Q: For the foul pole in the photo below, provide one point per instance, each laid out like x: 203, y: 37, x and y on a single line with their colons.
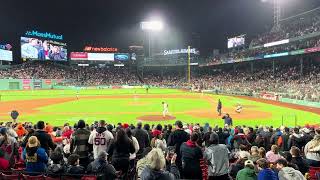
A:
x: 189, y: 68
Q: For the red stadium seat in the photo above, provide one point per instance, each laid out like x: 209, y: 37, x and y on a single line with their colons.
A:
x: 28, y: 177
x: 314, y: 173
x: 9, y: 177
x: 89, y: 177
x: 51, y: 178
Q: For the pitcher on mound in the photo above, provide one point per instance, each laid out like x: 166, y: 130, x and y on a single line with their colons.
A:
x: 165, y: 109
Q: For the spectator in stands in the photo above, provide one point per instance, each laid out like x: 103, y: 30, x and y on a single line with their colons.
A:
x: 74, y: 168
x: 248, y: 172
x: 35, y: 156
x: 287, y: 173
x: 217, y: 157
x: 296, y: 139
x: 251, y: 136
x: 273, y: 155
x: 142, y: 137
x: 265, y: 172
x: 254, y: 154
x: 79, y: 143
x: 44, y: 138
x: 285, y: 140
x: 262, y: 152
x: 143, y: 162
x: 120, y: 151
x: 176, y: 138
x: 156, y: 169
x: 239, y: 164
x: 191, y: 154
x: 240, y: 141
x: 298, y: 160
x: 67, y: 132
x: 135, y: 144
x: 102, y: 168
x: 157, y: 141
x: 312, y: 150
x: 57, y: 167
x: 206, y: 136
x: 4, y: 164
x: 168, y: 132
x: 9, y: 146
x: 100, y: 138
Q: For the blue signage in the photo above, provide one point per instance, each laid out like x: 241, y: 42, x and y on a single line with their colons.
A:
x: 276, y: 55
x: 121, y: 57
x: 44, y: 35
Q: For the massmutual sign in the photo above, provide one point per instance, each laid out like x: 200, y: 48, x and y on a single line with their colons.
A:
x: 45, y: 35
x: 180, y: 51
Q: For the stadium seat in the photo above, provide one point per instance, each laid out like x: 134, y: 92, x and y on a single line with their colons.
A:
x: 9, y: 177
x: 314, y: 173
x: 89, y: 177
x: 28, y: 177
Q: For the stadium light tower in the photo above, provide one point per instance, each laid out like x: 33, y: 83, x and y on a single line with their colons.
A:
x: 276, y: 15
x: 149, y: 27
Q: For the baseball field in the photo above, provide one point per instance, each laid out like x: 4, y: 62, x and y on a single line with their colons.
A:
x: 130, y: 105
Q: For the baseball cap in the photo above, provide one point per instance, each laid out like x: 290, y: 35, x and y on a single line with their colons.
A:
x: 248, y: 162
x: 244, y: 154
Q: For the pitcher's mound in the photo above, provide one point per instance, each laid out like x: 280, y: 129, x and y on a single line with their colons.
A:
x: 155, y: 118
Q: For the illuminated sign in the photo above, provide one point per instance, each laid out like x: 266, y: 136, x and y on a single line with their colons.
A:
x: 100, y: 49
x: 44, y: 35
x: 276, y: 55
x: 180, y: 51
x: 5, y: 46
x: 276, y: 43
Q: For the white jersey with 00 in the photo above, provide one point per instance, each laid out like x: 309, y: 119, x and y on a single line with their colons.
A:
x: 100, y: 141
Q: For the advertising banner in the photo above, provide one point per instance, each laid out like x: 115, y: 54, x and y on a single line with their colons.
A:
x: 101, y: 56
x: 269, y: 96
x: 26, y: 81
x: 297, y: 52
x: 311, y: 50
x: 5, y: 55
x: 79, y: 56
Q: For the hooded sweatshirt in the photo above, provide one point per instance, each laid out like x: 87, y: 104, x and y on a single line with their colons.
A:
x: 246, y: 174
x: 288, y: 173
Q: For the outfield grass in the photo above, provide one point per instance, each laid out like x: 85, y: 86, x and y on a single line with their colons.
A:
x: 130, y: 107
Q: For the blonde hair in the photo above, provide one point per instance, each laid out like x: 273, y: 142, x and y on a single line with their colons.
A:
x: 156, y: 159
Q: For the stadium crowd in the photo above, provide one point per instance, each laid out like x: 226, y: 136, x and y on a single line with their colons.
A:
x: 286, y: 81
x: 77, y: 75
x: 147, y: 152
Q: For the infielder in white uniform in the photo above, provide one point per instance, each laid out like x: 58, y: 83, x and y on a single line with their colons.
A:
x: 165, y: 109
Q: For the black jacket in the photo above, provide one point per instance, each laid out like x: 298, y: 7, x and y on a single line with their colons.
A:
x: 142, y: 138
x: 75, y: 170
x: 191, y: 156
x: 121, y: 150
x: 45, y: 140
x: 301, y: 163
x: 55, y: 170
x: 176, y: 138
x: 102, y: 169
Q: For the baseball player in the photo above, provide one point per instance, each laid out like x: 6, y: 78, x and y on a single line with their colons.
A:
x: 165, y: 109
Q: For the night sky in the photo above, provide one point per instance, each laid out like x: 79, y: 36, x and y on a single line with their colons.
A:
x: 115, y: 23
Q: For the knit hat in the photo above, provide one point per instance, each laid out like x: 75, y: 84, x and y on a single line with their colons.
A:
x: 156, y: 132
x: 33, y: 141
